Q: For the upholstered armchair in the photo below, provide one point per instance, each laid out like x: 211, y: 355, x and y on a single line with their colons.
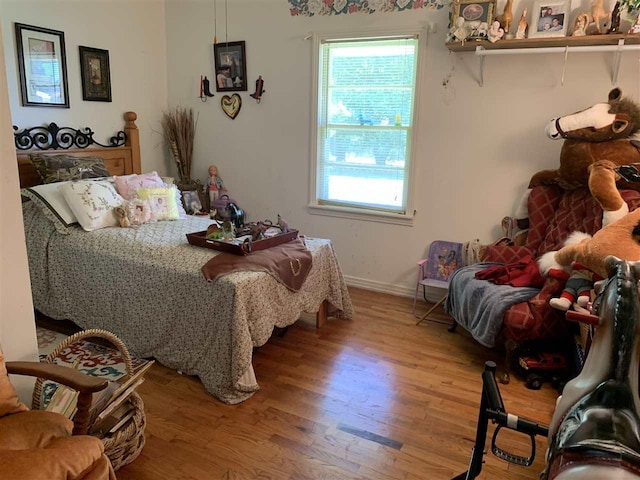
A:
x: 554, y: 213
x: 38, y: 445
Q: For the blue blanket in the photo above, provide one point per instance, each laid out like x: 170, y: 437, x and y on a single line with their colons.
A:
x: 479, y: 305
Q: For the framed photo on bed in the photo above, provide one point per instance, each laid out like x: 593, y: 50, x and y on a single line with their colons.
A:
x: 549, y: 18
x: 96, y: 78
x: 231, y: 67
x: 42, y: 64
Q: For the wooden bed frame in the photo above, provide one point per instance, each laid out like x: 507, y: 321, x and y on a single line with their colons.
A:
x: 123, y: 160
x: 118, y: 160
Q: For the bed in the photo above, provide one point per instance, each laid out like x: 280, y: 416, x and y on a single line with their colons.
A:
x: 145, y: 284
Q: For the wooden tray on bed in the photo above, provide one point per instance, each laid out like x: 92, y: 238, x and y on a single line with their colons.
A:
x: 200, y: 240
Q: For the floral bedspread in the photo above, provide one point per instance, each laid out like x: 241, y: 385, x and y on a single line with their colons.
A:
x: 145, y: 285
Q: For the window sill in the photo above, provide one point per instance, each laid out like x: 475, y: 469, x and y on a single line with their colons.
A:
x: 358, y: 214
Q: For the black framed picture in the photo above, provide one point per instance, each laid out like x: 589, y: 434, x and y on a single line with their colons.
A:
x: 42, y: 64
x: 231, y: 67
x: 96, y: 77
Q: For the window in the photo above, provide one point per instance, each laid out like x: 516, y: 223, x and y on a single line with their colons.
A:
x: 366, y: 96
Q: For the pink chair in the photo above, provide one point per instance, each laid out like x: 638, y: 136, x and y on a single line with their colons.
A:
x: 443, y: 259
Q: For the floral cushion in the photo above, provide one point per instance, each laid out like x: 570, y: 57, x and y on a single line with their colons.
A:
x: 139, y: 211
x: 163, y: 201
x: 60, y: 168
x: 93, y: 202
x: 126, y: 185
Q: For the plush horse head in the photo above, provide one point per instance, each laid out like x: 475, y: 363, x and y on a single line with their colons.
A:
x: 599, y: 134
x: 618, y: 118
x: 595, y: 430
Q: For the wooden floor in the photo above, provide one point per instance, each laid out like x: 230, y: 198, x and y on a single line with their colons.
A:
x: 372, y: 398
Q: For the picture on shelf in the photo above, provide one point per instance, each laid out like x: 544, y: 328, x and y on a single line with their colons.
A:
x: 549, y: 19
x: 473, y: 12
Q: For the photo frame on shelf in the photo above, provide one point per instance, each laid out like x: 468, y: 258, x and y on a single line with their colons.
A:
x: 549, y: 18
x: 95, y: 73
x: 42, y: 64
x: 473, y: 11
x: 231, y: 67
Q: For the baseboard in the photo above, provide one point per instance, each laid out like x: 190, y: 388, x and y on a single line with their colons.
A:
x: 400, y: 290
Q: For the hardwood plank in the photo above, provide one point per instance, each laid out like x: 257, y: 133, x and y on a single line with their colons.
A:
x: 373, y: 398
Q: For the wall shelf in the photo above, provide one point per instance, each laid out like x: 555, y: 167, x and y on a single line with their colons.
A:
x: 591, y: 43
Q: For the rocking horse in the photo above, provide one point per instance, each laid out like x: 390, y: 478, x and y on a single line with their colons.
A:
x: 595, y: 430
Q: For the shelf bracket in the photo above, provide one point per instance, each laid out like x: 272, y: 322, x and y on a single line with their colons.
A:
x: 616, y: 62
x: 480, y: 56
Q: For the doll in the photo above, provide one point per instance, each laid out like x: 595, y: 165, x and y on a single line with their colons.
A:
x: 577, y: 289
x: 214, y: 184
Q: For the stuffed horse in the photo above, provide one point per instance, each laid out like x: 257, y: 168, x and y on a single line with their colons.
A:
x: 595, y: 429
x: 597, y: 136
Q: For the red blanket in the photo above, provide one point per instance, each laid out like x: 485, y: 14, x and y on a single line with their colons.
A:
x: 524, y: 273
x: 289, y: 263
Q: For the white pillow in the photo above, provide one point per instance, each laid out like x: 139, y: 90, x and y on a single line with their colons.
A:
x: 92, y: 202
x: 50, y: 197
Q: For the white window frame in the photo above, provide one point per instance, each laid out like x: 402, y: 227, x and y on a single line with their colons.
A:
x: 352, y: 212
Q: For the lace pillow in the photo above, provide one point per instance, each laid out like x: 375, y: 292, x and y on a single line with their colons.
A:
x: 92, y: 202
x: 139, y: 212
x: 60, y: 168
x: 126, y: 185
x: 163, y: 201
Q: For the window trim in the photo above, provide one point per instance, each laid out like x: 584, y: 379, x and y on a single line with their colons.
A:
x: 316, y: 208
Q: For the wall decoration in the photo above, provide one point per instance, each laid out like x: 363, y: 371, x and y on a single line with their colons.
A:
x: 309, y: 8
x: 473, y: 12
x: 231, y: 105
x: 549, y: 18
x: 43, y: 67
x: 231, y: 67
x: 96, y: 77
x: 257, y: 95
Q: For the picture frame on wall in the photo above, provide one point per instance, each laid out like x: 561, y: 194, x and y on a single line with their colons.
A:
x: 42, y: 64
x: 549, y: 18
x: 96, y: 74
x: 231, y: 67
x: 473, y: 11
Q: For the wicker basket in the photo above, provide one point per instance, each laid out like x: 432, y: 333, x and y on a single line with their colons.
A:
x: 126, y: 444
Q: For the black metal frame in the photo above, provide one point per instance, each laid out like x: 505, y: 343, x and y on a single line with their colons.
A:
x: 52, y: 137
x: 492, y: 408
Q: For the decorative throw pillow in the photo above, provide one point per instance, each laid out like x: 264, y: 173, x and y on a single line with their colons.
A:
x: 60, y: 168
x: 163, y: 201
x: 126, y: 185
x: 50, y: 200
x: 92, y: 202
x: 139, y: 211
x: 9, y: 402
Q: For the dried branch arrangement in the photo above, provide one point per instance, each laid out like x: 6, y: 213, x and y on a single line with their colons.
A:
x: 179, y: 131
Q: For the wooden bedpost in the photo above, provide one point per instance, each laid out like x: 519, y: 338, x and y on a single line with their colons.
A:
x: 321, y: 316
x: 133, y: 139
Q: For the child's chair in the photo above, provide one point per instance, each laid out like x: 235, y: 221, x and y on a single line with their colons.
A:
x: 443, y: 259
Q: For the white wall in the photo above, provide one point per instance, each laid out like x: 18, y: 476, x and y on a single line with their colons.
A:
x: 17, y: 325
x: 477, y: 147
x: 134, y: 34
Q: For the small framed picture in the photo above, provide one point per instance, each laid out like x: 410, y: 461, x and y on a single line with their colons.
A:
x: 549, y: 19
x: 42, y: 63
x: 231, y: 67
x: 96, y: 78
x: 192, y: 203
x: 473, y: 11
